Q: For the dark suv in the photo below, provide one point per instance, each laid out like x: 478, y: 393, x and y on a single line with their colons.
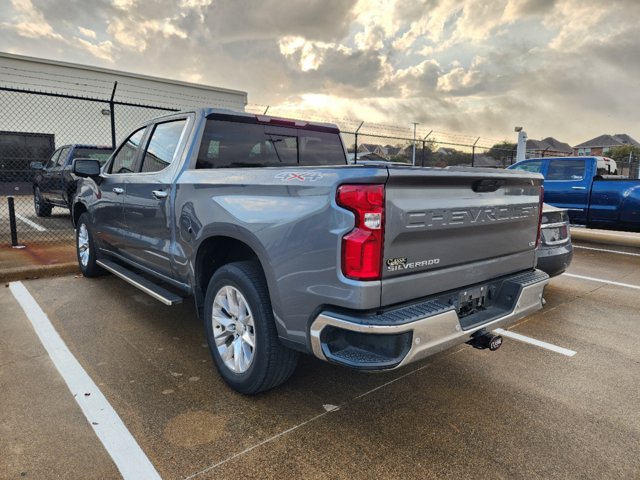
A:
x: 54, y: 184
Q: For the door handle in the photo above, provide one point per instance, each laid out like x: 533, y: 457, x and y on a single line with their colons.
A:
x: 578, y: 188
x: 118, y: 190
x: 158, y: 194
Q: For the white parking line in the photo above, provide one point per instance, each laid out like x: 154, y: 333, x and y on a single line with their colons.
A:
x: 533, y: 341
x: 607, y: 251
x: 111, y: 431
x: 602, y: 280
x: 34, y: 225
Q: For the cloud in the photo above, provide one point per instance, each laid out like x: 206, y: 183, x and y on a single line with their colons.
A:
x: 87, y: 32
x: 102, y: 50
x: 29, y: 22
x: 415, y: 81
x: 563, y: 68
x: 308, y: 55
x: 134, y: 34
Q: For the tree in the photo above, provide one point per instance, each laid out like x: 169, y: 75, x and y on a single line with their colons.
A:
x: 501, y: 150
x: 623, y: 152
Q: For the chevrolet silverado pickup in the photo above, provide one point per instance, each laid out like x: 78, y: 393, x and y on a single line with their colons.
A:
x: 589, y: 190
x: 286, y: 248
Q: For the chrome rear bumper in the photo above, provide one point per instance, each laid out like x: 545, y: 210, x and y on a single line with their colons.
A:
x: 417, y: 338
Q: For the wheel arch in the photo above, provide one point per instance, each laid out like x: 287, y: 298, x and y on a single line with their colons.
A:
x: 78, y: 209
x: 215, y: 251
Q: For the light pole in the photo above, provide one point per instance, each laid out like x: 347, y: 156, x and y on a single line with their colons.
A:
x: 522, y: 144
x: 413, y: 157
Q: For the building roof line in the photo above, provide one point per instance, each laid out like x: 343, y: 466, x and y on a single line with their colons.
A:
x: 139, y: 76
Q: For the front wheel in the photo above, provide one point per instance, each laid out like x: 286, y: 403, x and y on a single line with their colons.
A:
x: 241, y: 331
x: 85, y: 249
x: 42, y: 208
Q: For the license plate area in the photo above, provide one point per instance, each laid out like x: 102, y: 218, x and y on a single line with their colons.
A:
x: 471, y: 300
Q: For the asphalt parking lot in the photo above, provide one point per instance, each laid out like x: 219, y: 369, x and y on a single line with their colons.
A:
x: 522, y: 412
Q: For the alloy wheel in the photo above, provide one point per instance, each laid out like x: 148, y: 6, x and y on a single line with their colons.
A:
x: 233, y: 329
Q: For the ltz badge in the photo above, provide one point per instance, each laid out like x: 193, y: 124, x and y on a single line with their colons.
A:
x: 400, y: 263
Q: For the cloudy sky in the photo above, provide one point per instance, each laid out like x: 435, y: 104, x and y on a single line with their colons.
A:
x: 563, y: 68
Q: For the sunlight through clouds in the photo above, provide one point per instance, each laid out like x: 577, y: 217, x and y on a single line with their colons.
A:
x: 477, y: 66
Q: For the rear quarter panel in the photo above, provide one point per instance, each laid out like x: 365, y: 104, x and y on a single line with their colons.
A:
x: 289, y: 217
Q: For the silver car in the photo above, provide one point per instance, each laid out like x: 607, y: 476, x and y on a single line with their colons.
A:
x: 555, y: 251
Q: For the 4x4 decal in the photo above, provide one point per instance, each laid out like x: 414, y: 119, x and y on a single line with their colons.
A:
x: 299, y: 176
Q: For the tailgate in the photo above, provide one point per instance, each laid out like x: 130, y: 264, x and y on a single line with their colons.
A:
x: 446, y: 229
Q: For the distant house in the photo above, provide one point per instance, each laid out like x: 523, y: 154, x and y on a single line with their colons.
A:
x: 602, y: 144
x: 446, y: 151
x: 365, y: 156
x: 547, y: 146
x: 393, y: 151
x: 366, y: 148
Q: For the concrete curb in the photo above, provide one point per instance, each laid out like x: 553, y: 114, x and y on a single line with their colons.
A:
x: 38, y: 271
x: 606, y: 237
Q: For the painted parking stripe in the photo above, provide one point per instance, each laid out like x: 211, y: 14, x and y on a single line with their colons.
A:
x: 111, y: 431
x: 33, y: 225
x: 602, y: 280
x: 537, y: 343
x: 607, y: 251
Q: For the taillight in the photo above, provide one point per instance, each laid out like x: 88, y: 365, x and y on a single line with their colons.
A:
x: 362, y: 247
x: 538, y: 240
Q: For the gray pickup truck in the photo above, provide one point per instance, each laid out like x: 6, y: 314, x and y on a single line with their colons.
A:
x: 286, y: 249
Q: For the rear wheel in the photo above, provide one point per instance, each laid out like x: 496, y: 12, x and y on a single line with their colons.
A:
x: 85, y: 249
x: 241, y: 331
x: 42, y: 208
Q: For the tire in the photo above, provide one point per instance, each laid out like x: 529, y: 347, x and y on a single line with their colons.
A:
x: 248, y: 370
x: 85, y: 249
x: 42, y: 208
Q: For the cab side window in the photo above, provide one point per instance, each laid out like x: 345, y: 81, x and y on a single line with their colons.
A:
x: 64, y: 153
x: 534, y: 166
x: 566, y: 170
x: 54, y: 158
x: 162, y: 146
x: 125, y: 159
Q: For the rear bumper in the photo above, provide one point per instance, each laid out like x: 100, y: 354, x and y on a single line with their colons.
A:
x: 554, y: 259
x: 405, y: 334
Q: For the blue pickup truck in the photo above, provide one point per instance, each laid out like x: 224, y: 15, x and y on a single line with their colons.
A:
x: 586, y: 187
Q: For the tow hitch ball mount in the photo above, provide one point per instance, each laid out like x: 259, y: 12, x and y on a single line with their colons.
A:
x: 483, y: 339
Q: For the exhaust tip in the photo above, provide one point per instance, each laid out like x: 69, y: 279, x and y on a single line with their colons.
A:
x: 483, y: 340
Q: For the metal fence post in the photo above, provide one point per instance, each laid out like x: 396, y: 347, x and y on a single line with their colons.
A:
x: 112, y: 112
x: 12, y: 222
x: 413, y: 156
x: 424, y: 145
x: 355, y: 145
x: 473, y: 152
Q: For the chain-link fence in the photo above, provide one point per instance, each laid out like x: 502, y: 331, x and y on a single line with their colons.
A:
x: 372, y: 141
x: 42, y: 132
x: 40, y: 135
x: 630, y: 166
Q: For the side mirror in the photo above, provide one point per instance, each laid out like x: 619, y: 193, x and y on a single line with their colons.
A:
x: 86, y: 167
x: 36, y: 166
